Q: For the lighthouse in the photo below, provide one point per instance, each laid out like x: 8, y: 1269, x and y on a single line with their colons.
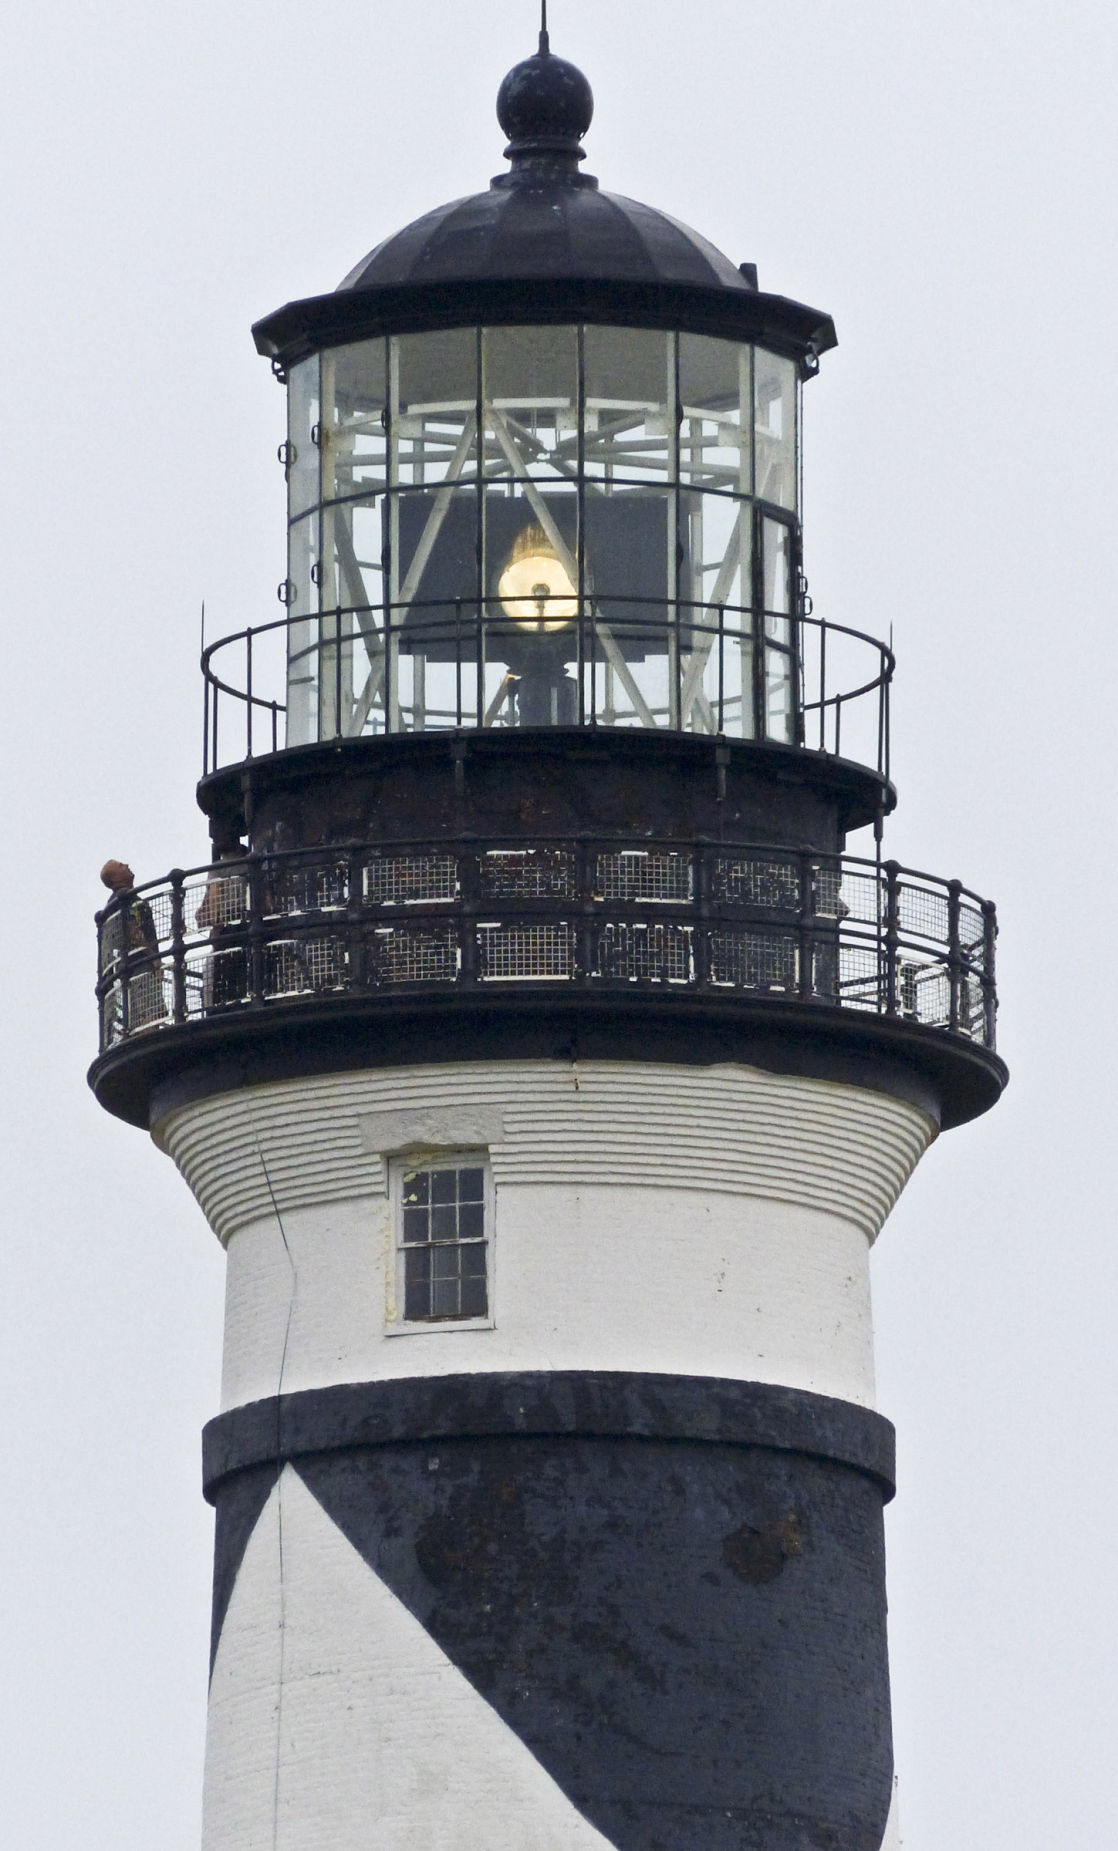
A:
x: 544, y: 1062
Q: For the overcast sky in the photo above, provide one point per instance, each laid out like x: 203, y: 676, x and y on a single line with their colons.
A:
x: 941, y: 179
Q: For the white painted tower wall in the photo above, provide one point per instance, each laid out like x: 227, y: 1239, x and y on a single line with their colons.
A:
x: 647, y: 1218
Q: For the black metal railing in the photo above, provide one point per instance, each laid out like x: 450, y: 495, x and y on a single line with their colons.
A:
x: 722, y: 670
x: 271, y: 931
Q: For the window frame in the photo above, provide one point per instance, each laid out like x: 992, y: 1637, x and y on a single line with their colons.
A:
x: 398, y: 1324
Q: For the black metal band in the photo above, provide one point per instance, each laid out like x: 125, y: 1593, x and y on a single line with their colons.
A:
x: 587, y: 1403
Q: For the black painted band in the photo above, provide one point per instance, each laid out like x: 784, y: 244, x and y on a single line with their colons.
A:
x: 588, y: 1403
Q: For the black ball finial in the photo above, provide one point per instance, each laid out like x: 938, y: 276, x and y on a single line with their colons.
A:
x: 545, y: 107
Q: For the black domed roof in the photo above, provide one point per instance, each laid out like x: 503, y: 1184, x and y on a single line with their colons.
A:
x: 603, y: 257
x: 547, y: 229
x: 545, y: 218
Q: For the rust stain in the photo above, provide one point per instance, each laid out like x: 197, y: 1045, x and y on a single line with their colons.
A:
x: 757, y: 1556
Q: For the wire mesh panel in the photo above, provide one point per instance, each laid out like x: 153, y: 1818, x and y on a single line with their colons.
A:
x: 644, y: 874
x: 112, y: 1017
x: 861, y: 892
x: 305, y: 966
x: 923, y: 992
x: 306, y: 887
x: 922, y: 913
x: 756, y: 881
x: 410, y: 880
x: 160, y: 911
x: 413, y: 954
x: 528, y: 873
x: 526, y: 952
x: 216, y: 979
x: 645, y: 953
x: 219, y: 901
x: 861, y: 978
x: 827, y: 895
x: 755, y: 961
x: 972, y: 929
x: 972, y: 1008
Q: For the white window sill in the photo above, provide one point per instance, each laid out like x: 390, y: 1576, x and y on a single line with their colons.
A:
x: 443, y: 1328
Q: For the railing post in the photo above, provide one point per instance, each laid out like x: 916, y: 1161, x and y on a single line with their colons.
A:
x: 700, y: 913
x: 891, y: 871
x: 954, y: 955
x: 721, y: 671
x: 355, y: 919
x: 586, y: 955
x: 466, y: 914
x: 989, y: 984
x: 806, y: 980
x: 338, y: 673
x: 822, y: 684
x: 178, y: 949
x: 458, y: 662
x: 255, y: 886
x: 248, y: 692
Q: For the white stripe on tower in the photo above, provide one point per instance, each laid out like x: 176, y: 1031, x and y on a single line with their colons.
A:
x: 373, y: 1741
x: 699, y: 1221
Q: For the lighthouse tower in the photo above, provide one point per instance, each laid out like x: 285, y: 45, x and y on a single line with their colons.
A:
x: 545, y: 1064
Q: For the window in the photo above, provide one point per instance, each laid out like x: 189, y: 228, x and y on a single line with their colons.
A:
x: 442, y: 1218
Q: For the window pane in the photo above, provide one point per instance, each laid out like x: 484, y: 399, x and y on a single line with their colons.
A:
x: 354, y: 435
x: 417, y: 1185
x: 444, y: 1185
x: 531, y: 401
x: 779, y: 719
x: 417, y: 1290
x: 437, y: 373
x: 715, y: 397
x: 444, y: 1222
x: 630, y: 409
x: 775, y: 428
x: 416, y: 1225
x: 471, y: 1221
x: 303, y: 457
x: 444, y: 1298
x: 474, y: 1298
x: 471, y: 1185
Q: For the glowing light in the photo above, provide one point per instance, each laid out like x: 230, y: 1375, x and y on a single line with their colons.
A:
x: 535, y: 587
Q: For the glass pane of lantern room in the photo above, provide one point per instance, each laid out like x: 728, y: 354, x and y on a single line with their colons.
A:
x: 715, y: 394
x: 431, y: 530
x: 775, y: 428
x: 531, y: 525
x: 631, y: 450
x: 302, y: 630
x: 303, y: 418
x: 777, y: 560
x: 354, y: 467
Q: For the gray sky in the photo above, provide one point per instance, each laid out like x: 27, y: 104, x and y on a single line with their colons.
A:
x: 940, y: 178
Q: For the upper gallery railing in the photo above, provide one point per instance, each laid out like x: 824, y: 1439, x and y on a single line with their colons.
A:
x: 723, y: 671
x: 271, y: 931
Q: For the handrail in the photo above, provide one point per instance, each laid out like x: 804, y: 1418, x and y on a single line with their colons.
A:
x: 270, y: 930
x: 696, y: 636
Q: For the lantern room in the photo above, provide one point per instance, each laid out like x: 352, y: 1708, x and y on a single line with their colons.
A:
x: 541, y: 526
x: 543, y: 471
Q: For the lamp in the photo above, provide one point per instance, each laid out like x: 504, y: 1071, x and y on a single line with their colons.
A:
x: 535, y: 588
x: 536, y: 592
